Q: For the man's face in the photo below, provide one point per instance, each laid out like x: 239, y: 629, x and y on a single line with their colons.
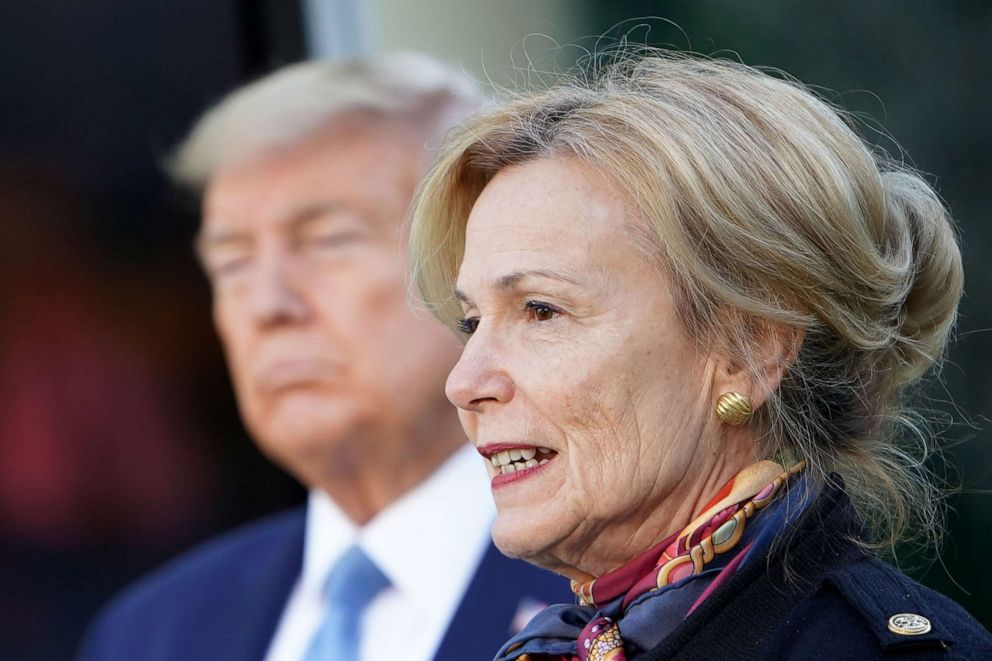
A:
x: 335, y: 368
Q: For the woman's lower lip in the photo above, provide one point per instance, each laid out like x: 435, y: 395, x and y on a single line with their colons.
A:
x: 503, y: 479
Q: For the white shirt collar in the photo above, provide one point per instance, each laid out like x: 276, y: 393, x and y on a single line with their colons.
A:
x: 428, y: 543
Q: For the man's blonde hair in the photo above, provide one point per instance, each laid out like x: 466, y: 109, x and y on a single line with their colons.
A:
x: 298, y: 100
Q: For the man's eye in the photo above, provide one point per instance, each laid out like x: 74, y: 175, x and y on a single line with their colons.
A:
x: 538, y: 311
x: 468, y: 325
x: 226, y: 267
x: 331, y: 239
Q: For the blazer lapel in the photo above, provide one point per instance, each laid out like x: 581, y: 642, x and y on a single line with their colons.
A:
x: 262, y: 591
x: 502, y: 595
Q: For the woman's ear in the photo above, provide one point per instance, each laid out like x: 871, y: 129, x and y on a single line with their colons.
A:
x: 773, y: 348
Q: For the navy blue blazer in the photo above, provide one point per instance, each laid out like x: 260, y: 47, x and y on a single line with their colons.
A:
x: 223, y: 601
x: 824, y: 597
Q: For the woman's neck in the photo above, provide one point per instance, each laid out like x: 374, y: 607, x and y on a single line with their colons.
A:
x: 620, y: 541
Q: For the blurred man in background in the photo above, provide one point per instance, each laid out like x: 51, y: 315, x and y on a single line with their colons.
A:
x: 306, y: 177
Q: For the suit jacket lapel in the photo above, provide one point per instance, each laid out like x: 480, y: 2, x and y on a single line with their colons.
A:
x: 263, y: 590
x: 484, y: 619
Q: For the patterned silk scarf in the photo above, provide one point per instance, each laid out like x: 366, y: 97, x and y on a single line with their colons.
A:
x: 633, y: 608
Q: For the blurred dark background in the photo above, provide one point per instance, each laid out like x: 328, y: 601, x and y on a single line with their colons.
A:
x: 120, y: 443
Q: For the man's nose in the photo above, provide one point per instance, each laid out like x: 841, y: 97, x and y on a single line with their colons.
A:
x: 479, y: 381
x: 278, y: 295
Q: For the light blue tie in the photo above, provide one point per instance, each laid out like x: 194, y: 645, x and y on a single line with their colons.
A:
x: 352, y: 584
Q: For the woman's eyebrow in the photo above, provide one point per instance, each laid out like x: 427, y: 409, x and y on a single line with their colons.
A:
x: 511, y: 280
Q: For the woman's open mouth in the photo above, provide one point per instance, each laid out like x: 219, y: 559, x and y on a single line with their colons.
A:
x: 515, y: 463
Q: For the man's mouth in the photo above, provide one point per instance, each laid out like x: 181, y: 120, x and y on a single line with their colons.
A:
x: 290, y: 373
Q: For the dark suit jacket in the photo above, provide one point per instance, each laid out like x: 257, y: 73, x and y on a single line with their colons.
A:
x: 223, y: 602
x: 825, y: 598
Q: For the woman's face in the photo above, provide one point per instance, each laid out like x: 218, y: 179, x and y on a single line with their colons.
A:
x: 573, y: 346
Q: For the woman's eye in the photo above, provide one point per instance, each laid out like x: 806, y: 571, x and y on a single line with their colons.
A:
x: 539, y: 311
x: 468, y: 325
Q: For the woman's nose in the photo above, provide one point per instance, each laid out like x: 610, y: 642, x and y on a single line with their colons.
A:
x: 477, y: 381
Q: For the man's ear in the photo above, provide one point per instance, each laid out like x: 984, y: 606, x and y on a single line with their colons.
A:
x: 772, y: 348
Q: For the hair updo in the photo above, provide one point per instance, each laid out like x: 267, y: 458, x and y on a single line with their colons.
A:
x: 765, y: 209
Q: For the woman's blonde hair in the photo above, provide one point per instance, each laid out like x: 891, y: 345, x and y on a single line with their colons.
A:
x: 765, y: 210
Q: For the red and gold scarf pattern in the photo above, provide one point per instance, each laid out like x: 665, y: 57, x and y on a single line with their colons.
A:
x: 715, y: 532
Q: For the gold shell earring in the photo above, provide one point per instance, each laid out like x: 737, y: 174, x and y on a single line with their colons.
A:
x: 733, y: 408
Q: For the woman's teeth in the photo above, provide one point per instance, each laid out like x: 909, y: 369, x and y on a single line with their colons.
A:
x: 518, y: 459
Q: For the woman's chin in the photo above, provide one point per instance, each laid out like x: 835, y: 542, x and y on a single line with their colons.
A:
x: 509, y: 539
x: 523, y: 538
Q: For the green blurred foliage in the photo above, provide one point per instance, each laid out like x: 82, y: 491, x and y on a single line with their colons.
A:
x: 921, y: 70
